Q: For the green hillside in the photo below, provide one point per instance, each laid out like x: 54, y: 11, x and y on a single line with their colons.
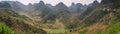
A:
x: 18, y: 23
x: 4, y: 29
x: 114, y: 27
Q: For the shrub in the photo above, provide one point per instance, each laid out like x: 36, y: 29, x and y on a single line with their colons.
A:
x: 5, y: 29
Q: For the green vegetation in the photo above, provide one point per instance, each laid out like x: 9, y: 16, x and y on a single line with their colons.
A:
x: 5, y: 29
x: 20, y: 24
x: 114, y: 28
x: 83, y: 32
x: 59, y: 31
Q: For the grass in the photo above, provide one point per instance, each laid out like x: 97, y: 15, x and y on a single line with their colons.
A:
x: 5, y: 29
x: 59, y: 31
x: 83, y: 32
x: 114, y: 28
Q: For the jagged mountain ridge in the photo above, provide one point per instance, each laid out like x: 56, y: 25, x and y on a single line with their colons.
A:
x: 15, y: 5
x: 87, y: 15
x: 77, y: 8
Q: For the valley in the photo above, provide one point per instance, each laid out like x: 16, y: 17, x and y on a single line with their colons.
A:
x: 41, y: 18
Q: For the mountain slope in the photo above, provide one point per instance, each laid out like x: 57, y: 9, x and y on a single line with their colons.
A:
x: 115, y: 23
x: 5, y: 29
x: 18, y: 23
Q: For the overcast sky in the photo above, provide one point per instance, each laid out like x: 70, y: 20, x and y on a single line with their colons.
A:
x: 54, y: 2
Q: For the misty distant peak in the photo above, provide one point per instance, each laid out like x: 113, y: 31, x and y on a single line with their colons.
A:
x: 95, y: 1
x: 48, y: 5
x: 61, y: 4
x: 84, y: 5
x: 79, y: 4
x: 41, y: 2
x: 73, y: 4
x: 30, y: 4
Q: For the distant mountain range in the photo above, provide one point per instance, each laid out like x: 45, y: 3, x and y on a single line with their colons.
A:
x: 41, y: 18
x: 47, y: 11
x: 74, y: 8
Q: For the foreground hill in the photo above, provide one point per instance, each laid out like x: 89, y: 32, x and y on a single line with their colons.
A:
x: 104, y: 20
x: 18, y: 23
